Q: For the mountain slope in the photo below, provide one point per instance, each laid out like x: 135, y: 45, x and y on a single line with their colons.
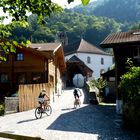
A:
x: 120, y: 10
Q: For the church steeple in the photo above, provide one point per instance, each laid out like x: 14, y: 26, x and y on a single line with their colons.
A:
x: 61, y: 36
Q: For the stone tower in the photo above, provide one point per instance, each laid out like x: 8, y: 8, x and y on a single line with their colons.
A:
x: 61, y: 36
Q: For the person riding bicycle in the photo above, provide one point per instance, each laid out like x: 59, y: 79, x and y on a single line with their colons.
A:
x: 41, y: 98
x: 77, y: 101
x: 76, y: 93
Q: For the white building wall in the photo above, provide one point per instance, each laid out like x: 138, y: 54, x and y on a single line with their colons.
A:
x: 95, y: 64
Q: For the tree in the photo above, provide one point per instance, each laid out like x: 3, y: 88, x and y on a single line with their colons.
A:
x: 18, y: 10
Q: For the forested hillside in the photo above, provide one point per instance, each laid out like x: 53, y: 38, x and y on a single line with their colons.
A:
x: 120, y: 10
x: 93, y: 22
x: 93, y: 29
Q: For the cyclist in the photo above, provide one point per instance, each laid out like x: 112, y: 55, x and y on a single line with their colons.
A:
x: 76, y: 94
x: 41, y: 98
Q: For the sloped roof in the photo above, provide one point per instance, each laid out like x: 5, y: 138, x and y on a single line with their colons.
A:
x: 75, y: 59
x: 83, y: 47
x: 71, y: 48
x: 109, y: 73
x: 34, y: 51
x: 45, y: 46
x: 132, y: 36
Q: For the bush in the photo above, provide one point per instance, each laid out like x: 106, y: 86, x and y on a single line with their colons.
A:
x: 1, y: 110
x: 130, y: 88
x: 99, y: 84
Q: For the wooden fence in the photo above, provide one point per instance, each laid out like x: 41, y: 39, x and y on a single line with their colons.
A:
x: 28, y: 95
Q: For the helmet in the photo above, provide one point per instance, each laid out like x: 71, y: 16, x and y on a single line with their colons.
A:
x: 43, y: 90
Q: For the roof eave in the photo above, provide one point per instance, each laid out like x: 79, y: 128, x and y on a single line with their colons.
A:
x: 111, y: 45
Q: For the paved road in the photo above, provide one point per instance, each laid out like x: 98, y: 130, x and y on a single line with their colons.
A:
x: 89, y: 122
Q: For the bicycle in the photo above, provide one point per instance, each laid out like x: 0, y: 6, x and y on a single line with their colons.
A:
x: 40, y: 110
x: 77, y: 103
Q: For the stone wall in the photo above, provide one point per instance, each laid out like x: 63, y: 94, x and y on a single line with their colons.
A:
x: 11, y: 105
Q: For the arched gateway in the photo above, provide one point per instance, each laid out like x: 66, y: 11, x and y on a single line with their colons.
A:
x: 77, y: 72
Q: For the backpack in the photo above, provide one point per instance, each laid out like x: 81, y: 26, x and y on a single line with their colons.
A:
x: 75, y: 91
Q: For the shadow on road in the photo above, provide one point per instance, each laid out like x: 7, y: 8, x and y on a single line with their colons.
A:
x: 92, y: 119
x: 28, y: 120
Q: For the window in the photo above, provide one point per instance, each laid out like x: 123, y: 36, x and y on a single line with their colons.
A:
x: 38, y: 77
x: 136, y: 52
x: 102, y: 61
x: 21, y: 78
x: 88, y: 59
x: 19, y: 56
x: 3, y: 78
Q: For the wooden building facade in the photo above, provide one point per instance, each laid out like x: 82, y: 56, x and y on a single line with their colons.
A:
x: 125, y: 45
x: 39, y: 63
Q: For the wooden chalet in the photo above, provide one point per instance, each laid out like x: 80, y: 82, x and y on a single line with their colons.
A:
x: 125, y: 45
x: 56, y: 61
x: 39, y: 63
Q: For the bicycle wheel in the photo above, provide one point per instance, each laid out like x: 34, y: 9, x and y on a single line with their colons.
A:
x: 77, y: 103
x: 38, y: 112
x: 48, y: 110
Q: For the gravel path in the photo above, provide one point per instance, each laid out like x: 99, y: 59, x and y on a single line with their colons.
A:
x: 89, y: 122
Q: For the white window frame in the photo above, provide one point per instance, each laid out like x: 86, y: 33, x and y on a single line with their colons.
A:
x: 19, y: 57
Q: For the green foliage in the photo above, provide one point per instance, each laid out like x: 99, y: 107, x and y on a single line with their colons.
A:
x: 120, y: 10
x: 76, y: 25
x: 135, y: 26
x: 99, y: 83
x: 84, y: 2
x: 129, y: 63
x: 18, y: 9
x: 6, y: 45
x: 1, y: 109
x: 130, y: 85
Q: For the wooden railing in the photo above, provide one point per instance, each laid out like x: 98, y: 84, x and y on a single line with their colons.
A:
x: 28, y: 95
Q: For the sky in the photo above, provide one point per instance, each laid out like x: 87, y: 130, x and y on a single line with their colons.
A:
x: 65, y: 4
x: 62, y: 3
